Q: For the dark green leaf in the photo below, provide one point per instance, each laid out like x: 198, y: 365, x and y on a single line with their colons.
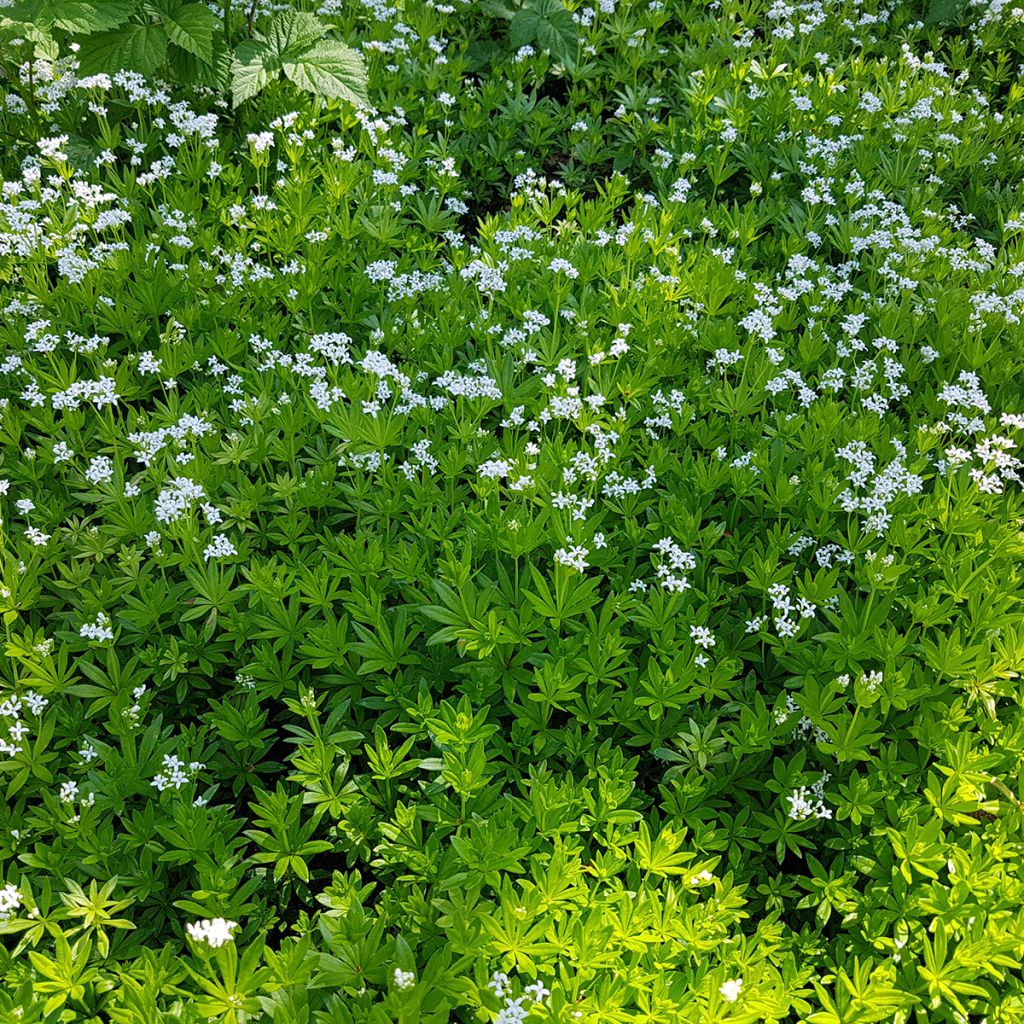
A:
x: 497, y: 9
x: 141, y: 48
x: 215, y: 74
x: 190, y: 26
x: 549, y: 24
x: 942, y: 12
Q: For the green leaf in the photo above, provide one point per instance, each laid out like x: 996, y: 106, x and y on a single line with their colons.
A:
x: 81, y: 17
x: 942, y: 12
x: 549, y: 24
x: 30, y: 12
x: 141, y: 48
x: 215, y: 74
x: 250, y: 70
x: 497, y: 9
x: 332, y: 69
x: 81, y: 152
x: 86, y: 16
x: 292, y: 43
x: 292, y: 33
x: 481, y: 54
x: 190, y: 26
x: 43, y: 45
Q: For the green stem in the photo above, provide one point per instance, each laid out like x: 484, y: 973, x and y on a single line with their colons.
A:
x: 33, y: 110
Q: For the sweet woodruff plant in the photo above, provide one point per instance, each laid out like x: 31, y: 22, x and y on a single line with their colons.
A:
x: 511, y: 512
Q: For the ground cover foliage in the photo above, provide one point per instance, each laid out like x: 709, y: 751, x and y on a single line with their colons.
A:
x: 544, y: 546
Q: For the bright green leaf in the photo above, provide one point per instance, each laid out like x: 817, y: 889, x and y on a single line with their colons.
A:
x: 332, y: 69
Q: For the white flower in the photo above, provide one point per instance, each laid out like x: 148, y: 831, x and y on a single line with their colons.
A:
x: 404, y: 979
x: 804, y: 804
x: 173, y: 501
x: 100, y: 471
x: 36, y: 701
x: 261, y: 141
x: 221, y: 547
x: 99, y: 630
x: 498, y: 983
x: 730, y: 990
x: 537, y: 991
x: 563, y: 266
x: 10, y: 901
x: 148, y: 363
x: 574, y: 557
x: 702, y: 636
x: 176, y: 773
x: 53, y: 148
x: 214, y: 932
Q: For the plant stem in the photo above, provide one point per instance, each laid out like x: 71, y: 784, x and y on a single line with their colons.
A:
x: 32, y: 86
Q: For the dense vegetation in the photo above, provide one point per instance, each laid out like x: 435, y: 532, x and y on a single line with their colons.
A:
x: 511, y: 512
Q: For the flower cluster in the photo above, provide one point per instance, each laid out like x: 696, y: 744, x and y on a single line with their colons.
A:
x: 214, y: 932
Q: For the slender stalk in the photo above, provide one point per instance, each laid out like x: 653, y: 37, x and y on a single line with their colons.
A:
x: 32, y: 85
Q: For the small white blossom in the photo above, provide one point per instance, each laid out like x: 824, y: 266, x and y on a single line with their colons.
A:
x: 10, y: 901
x: 221, y: 547
x: 99, y: 630
x: 730, y: 990
x: 215, y: 932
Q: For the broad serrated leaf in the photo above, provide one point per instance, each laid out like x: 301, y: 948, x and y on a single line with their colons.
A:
x: 549, y: 24
x: 252, y: 69
x: 330, y: 68
x: 214, y: 74
x: 81, y: 153
x: 497, y: 9
x: 190, y: 26
x: 291, y: 34
x: 292, y: 43
x: 80, y: 17
x: 84, y: 18
x: 944, y: 12
x: 141, y: 48
x: 43, y: 43
x: 29, y: 12
x: 481, y: 54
